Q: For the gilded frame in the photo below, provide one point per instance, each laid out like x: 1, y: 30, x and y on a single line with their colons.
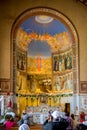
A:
x: 83, y: 86
x: 5, y: 85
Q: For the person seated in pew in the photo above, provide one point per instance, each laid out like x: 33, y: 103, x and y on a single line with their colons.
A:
x: 24, y: 118
x: 9, y: 123
x: 24, y: 127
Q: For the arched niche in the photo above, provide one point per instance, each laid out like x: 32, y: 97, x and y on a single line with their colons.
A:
x: 21, y: 40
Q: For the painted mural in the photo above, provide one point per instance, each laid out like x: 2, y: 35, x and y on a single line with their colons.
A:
x: 48, y: 61
x: 57, y: 42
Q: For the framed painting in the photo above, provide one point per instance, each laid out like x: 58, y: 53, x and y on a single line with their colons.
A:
x: 4, y: 85
x: 21, y: 60
x: 83, y: 87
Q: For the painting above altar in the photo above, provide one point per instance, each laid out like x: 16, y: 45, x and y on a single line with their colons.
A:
x: 43, y: 28
x: 47, y: 43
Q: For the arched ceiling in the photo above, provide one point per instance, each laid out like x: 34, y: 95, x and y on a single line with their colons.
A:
x: 44, y: 29
x: 43, y: 24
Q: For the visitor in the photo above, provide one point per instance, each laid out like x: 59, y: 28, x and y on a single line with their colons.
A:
x: 49, y: 119
x: 56, y: 115
x: 24, y: 118
x: 9, y: 123
x: 24, y: 127
x: 74, y: 122
x: 85, y: 122
x: 68, y: 118
x: 82, y: 116
x: 50, y: 112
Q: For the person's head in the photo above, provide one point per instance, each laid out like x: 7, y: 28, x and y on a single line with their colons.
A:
x: 50, y: 111
x: 55, y: 115
x: 24, y: 127
x: 72, y: 116
x: 50, y: 118
x: 11, y: 118
x: 24, y: 112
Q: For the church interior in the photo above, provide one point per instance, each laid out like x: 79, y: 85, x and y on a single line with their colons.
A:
x: 43, y: 56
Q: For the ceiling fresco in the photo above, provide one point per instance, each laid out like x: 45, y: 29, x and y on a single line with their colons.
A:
x: 42, y: 35
x: 42, y: 25
x: 39, y: 48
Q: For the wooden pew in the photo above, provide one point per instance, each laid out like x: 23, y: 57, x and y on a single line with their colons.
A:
x: 36, y: 127
x: 14, y: 128
x: 2, y: 127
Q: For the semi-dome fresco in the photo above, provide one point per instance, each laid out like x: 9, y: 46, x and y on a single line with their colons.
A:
x: 45, y: 29
x: 44, y: 47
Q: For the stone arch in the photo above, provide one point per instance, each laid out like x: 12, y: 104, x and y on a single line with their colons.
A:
x: 71, y: 28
